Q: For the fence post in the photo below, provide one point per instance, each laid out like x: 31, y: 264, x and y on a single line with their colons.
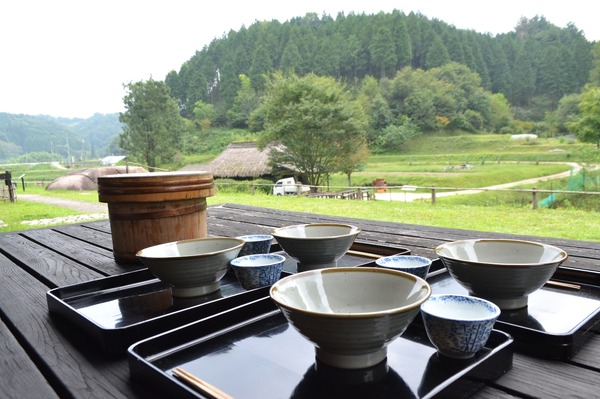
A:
x: 11, y: 187
x: 252, y: 189
x: 534, y: 197
x: 432, y: 195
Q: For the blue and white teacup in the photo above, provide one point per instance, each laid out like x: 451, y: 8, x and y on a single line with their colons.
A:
x: 458, y: 326
x: 255, y: 244
x: 259, y: 270
x: 415, y: 265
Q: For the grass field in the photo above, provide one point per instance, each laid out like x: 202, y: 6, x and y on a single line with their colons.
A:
x: 495, y: 159
x: 502, y: 219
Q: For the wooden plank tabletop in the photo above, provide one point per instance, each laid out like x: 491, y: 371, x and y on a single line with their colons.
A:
x: 44, y: 357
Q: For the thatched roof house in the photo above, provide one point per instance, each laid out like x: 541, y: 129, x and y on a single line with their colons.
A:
x: 240, y: 161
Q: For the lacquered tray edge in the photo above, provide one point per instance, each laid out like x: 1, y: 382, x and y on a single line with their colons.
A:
x: 116, y: 340
x: 497, y: 363
x: 142, y: 370
x: 562, y: 346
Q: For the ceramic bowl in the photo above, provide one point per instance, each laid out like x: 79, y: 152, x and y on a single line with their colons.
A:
x: 350, y: 314
x: 193, y: 267
x: 458, y: 325
x: 256, y: 244
x: 502, y: 271
x: 417, y: 265
x: 316, y: 245
x: 259, y: 270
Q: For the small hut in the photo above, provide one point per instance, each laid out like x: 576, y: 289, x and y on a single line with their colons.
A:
x: 240, y: 161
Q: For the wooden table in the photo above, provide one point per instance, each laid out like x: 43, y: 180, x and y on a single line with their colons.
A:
x: 39, y: 360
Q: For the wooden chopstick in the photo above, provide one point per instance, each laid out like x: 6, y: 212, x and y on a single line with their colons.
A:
x: 554, y: 283
x: 200, y: 384
x: 364, y: 254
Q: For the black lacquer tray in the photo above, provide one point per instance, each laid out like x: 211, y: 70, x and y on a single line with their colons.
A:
x: 119, y: 310
x: 252, y: 352
x: 558, y: 319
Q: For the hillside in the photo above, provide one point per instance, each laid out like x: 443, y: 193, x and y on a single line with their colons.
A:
x: 532, y: 69
x: 534, y: 66
x: 22, y: 136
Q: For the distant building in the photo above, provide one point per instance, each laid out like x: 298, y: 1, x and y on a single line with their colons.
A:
x: 524, y: 136
x: 111, y: 160
x: 243, y: 161
x: 238, y: 161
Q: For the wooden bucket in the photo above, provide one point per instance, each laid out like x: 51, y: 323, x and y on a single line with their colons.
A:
x: 147, y: 209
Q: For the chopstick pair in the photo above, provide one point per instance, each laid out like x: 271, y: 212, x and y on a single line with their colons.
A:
x: 200, y: 384
x: 554, y: 283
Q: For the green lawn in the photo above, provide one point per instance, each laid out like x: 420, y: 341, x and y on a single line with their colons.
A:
x: 425, y: 162
x: 524, y: 220
x: 498, y: 218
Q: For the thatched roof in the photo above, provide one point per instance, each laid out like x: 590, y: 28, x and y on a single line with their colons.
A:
x: 240, y: 160
x: 87, y: 178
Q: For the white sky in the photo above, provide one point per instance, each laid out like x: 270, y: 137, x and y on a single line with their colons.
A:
x: 70, y: 58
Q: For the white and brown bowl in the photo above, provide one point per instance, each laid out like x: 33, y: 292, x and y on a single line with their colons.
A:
x: 193, y: 267
x: 350, y: 314
x: 316, y: 245
x: 503, y: 271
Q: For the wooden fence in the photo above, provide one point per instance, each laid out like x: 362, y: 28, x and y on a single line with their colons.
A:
x: 411, y: 193
x: 8, y: 189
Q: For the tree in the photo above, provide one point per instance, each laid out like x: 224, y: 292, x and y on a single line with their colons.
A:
x: 290, y: 57
x: 523, y: 79
x: 437, y: 54
x: 402, y: 39
x: 383, y: 51
x: 354, y: 161
x: 204, y: 114
x: 245, y: 102
x: 566, y: 112
x: 314, y: 124
x: 395, y: 136
x: 501, y: 116
x: 588, y: 125
x: 261, y: 67
x: 594, y: 78
x: 152, y: 126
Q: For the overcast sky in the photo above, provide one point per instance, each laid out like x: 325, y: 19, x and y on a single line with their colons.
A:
x: 70, y: 58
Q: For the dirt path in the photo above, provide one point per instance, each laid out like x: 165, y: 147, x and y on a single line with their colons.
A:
x: 410, y: 196
x: 91, y: 210
x: 80, y: 206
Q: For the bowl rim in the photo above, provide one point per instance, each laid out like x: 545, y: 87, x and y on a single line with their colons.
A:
x: 345, y: 315
x: 239, y: 245
x: 280, y: 259
x: 495, y: 315
x: 255, y: 237
x: 393, y: 257
x: 354, y: 230
x: 563, y: 254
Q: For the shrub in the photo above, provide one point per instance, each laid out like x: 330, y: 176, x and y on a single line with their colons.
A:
x: 244, y: 186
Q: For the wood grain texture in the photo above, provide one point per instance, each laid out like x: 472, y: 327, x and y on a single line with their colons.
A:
x: 19, y: 376
x: 42, y: 356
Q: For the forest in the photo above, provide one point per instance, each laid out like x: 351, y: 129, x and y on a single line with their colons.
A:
x: 411, y: 74
x: 533, y: 67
